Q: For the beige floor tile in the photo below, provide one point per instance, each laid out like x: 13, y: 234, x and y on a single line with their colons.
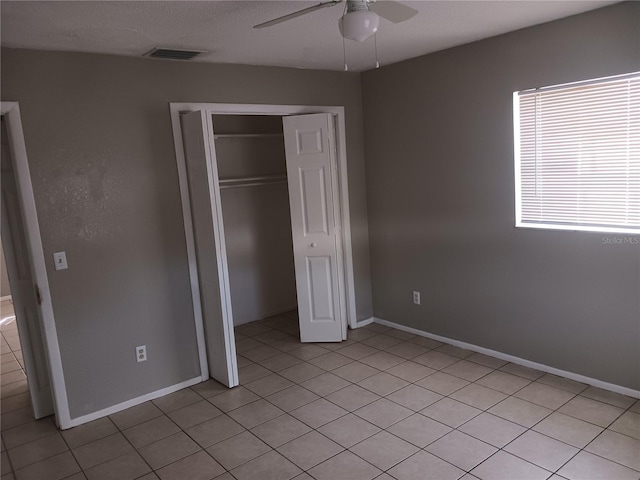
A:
x: 618, y: 448
x: 252, y: 372
x: 352, y: 397
x: 628, y: 424
x: 493, y: 430
x: 233, y: 398
x: 383, y: 413
x: 135, y: 415
x: 406, y: 350
x: 28, y: 432
x: 325, y: 384
x: 348, y: 430
x: 310, y: 449
x: 53, y: 468
x: 419, y: 430
x: 519, y: 411
x: 330, y: 361
x: 381, y: 341
x: 414, y: 397
x: 215, y: 430
x: 503, y: 382
x: 255, y: 413
x: 199, y: 466
x: 410, y: 371
x: 106, y: 448
x: 451, y: 412
x: 521, y: 371
x: 586, y: 465
x: 461, y: 450
x: 382, y: 360
x: 383, y: 384
x: 292, y: 398
x: 318, y: 413
x: 211, y: 387
x: 606, y: 396
x: 261, y: 353
x: 280, y: 430
x: 355, y: 371
x: 177, y: 400
x: 592, y: 411
x: 466, y: 370
x: 16, y: 418
x: 345, y: 466
x: 486, y: 360
x: 89, y: 432
x: 568, y: 429
x: 562, y: 383
x: 384, y: 450
x: 150, y: 431
x: 454, y: 351
x: 635, y: 407
x: 308, y: 351
x: 426, y: 342
x: 544, y: 395
x: 424, y: 466
x: 16, y: 402
x: 442, y: 383
x: 268, y: 385
x: 360, y: 334
x: 300, y: 373
x: 238, y: 450
x: 504, y: 466
x: 271, y: 466
x: 436, y: 360
x: 37, y: 450
x: 126, y: 467
x: 541, y: 450
x: 242, y: 362
x: 168, y: 450
x: 478, y: 396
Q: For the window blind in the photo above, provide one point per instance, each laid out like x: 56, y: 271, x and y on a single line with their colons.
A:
x: 578, y: 155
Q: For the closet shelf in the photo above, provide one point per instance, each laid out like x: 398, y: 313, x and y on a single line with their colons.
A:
x: 256, y: 181
x: 247, y: 135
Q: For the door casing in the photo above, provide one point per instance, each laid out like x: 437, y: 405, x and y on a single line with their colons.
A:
x: 341, y: 198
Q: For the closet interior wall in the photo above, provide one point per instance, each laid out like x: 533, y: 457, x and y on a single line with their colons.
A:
x: 255, y: 208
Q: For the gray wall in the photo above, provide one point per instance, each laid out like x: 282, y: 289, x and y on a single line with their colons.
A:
x: 440, y: 183
x: 100, y: 148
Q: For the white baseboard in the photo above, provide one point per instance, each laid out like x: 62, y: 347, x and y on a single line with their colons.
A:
x: 365, y: 322
x: 6, y: 297
x: 520, y: 361
x: 74, y: 422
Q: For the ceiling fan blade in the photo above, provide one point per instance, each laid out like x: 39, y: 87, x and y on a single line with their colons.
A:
x: 299, y: 13
x: 393, y: 11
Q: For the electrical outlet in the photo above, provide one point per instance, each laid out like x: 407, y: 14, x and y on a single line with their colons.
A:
x: 416, y: 298
x: 141, y: 353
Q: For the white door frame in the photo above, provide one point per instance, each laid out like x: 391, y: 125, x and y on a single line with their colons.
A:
x: 342, y: 200
x: 11, y: 113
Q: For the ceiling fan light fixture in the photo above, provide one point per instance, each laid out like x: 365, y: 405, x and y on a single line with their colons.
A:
x: 359, y: 25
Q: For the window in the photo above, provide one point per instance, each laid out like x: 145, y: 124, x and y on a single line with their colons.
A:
x: 577, y: 156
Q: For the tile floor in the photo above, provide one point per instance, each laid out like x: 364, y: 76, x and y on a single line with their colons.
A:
x: 385, y: 404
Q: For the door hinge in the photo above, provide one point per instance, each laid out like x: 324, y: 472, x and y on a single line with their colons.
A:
x: 38, y: 296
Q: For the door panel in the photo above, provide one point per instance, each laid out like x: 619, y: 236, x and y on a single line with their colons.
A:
x: 309, y: 146
x: 23, y: 289
x: 220, y: 340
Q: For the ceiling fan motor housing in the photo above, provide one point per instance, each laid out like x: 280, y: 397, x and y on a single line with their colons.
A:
x: 359, y: 23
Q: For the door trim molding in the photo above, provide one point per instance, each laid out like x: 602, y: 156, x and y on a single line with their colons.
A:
x: 343, y: 193
x: 11, y: 113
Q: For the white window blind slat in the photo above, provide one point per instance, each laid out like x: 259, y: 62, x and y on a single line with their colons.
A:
x: 578, y: 155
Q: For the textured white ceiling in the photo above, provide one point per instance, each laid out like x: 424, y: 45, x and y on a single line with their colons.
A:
x: 224, y: 29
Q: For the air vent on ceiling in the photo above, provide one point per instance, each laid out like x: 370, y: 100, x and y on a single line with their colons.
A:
x: 173, y: 53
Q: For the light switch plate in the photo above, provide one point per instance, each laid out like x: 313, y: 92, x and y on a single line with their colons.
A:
x: 60, y: 260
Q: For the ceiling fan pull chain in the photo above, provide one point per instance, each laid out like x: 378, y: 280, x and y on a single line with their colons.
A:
x: 344, y: 48
x: 375, y: 44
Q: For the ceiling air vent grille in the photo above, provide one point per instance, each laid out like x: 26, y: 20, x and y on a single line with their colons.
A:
x: 173, y: 53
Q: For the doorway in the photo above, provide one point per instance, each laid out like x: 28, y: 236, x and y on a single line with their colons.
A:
x: 198, y: 132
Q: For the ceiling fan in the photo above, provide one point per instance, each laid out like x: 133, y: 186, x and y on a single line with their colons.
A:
x: 361, y: 19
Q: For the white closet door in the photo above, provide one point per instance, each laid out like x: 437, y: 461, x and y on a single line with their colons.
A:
x: 309, y: 146
x: 205, y: 210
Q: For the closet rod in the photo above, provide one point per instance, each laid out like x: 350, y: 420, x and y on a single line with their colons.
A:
x: 251, y: 181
